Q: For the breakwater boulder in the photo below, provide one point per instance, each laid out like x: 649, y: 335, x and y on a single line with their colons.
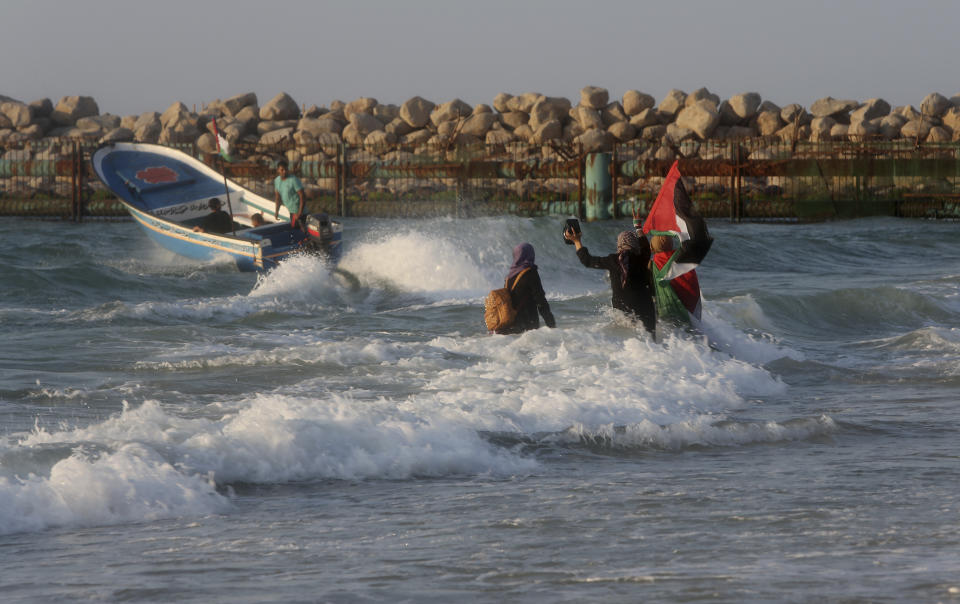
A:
x: 594, y: 122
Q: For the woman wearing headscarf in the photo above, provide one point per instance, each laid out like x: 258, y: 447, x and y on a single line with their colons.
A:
x: 526, y: 292
x: 629, y: 274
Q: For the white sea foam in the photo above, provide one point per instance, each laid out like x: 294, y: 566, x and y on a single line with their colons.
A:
x: 131, y: 484
x: 417, y: 262
x: 377, y: 406
x: 699, y: 431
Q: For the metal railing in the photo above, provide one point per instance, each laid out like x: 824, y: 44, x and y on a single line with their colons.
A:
x: 749, y: 179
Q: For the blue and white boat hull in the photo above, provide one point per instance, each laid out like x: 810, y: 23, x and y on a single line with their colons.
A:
x: 167, y: 193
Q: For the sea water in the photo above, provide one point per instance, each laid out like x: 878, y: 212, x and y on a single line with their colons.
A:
x: 175, y: 431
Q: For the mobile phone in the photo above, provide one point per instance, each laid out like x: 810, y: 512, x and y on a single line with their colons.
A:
x: 572, y: 223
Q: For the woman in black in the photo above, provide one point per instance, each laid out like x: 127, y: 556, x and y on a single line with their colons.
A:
x: 526, y: 292
x: 629, y: 275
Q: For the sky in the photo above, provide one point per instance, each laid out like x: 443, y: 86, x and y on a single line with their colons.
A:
x: 134, y: 56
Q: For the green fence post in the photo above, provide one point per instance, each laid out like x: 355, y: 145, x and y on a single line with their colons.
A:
x: 599, y: 186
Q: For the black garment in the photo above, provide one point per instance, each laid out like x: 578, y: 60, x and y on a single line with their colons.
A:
x: 637, y: 296
x: 217, y: 221
x: 528, y: 298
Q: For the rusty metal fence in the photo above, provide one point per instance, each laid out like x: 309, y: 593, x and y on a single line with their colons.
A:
x: 750, y: 179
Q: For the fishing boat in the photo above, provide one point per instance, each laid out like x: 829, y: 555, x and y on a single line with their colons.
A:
x: 168, y: 193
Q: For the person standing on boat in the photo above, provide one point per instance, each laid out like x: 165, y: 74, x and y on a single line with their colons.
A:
x: 217, y: 221
x: 288, y: 190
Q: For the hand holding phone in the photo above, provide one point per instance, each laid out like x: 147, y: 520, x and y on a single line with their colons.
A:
x: 571, y: 230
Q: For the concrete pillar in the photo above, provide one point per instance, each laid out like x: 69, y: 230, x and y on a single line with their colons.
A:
x: 598, y: 185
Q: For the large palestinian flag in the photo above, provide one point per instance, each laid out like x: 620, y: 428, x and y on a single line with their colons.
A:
x: 673, y: 215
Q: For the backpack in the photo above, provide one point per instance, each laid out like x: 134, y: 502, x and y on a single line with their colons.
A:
x: 498, y: 312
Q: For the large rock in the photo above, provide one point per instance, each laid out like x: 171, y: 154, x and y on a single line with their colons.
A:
x: 450, y: 111
x: 839, y: 131
x: 277, y: 137
x: 951, y: 119
x: 398, y: 127
x: 515, y: 119
x: 41, y: 107
x: 360, y: 105
x: 478, y: 125
x: 249, y: 116
x: 769, y: 106
x: 863, y: 129
x: 280, y: 107
x: 147, y: 127
x: 613, y: 113
x: 385, y: 113
x: 416, y: 112
x: 379, y: 141
x: 768, y: 123
x: 32, y: 132
x: 547, y: 109
x: 235, y: 104
x: 908, y: 112
x: 415, y: 138
x: 317, y: 126
x: 794, y: 131
x: 329, y: 142
x: 594, y: 97
x: 671, y: 104
x: 271, y: 125
x: 233, y: 132
x: 831, y: 107
x: 935, y: 104
x: 352, y: 136
x: 702, y: 94
x: 105, y: 122
x: 501, y: 101
x: 448, y: 129
x: 595, y: 140
x: 206, y: 142
x: 571, y: 131
x: 547, y: 131
x: 314, y: 111
x: 499, y: 137
x: 701, y: 118
x: 869, y: 110
x: 365, y: 123
x: 677, y: 134
x: 71, y: 108
x: 647, y: 117
x: 890, y: 125
x: 916, y: 129
x: 744, y: 106
x: 19, y: 114
x: 622, y: 131
x: 527, y: 100
x: 938, y: 134
x: 635, y: 101
x: 654, y: 133
x: 588, y: 117
x: 820, y: 128
x: 174, y: 114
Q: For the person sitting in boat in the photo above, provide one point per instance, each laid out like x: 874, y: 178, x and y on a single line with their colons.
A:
x: 217, y: 221
x: 257, y: 220
x: 288, y: 190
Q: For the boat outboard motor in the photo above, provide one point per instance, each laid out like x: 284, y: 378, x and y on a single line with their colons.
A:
x: 320, y: 232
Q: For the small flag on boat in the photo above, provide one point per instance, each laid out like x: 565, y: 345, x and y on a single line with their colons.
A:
x: 223, y: 146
